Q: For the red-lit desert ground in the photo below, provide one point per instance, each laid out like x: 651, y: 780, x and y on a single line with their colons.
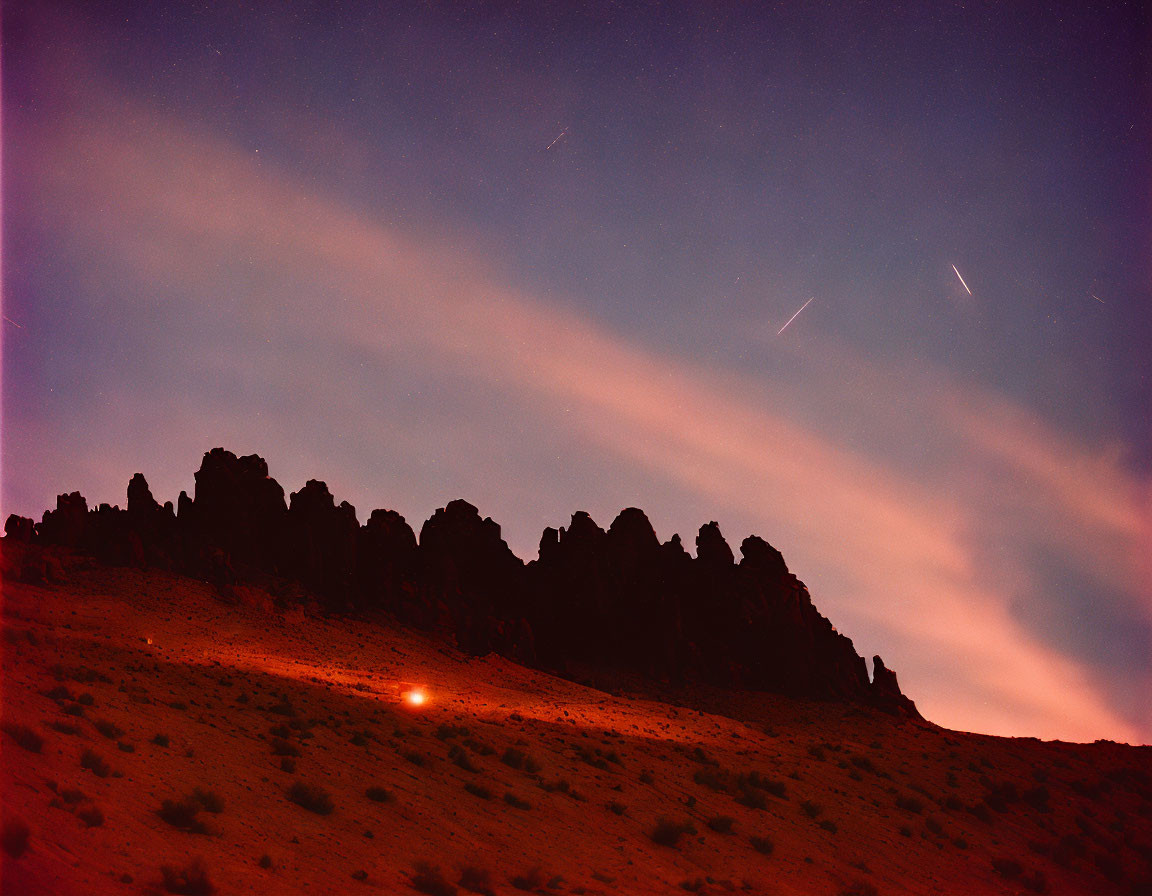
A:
x: 124, y: 689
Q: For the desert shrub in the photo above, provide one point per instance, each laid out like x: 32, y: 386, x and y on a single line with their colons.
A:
x: 91, y: 815
x: 73, y: 709
x: 461, y: 758
x: 72, y: 795
x: 859, y: 888
x: 182, y: 814
x: 693, y: 885
x: 519, y: 760
x: 1037, y: 798
x: 64, y: 727
x: 905, y: 831
x: 829, y: 825
x: 125, y: 747
x: 702, y: 757
x: 1035, y: 881
x: 23, y: 736
x: 311, y: 797
x: 617, y: 808
x: 95, y: 763
x: 281, y: 747
x: 530, y: 882
x: 668, y: 832
x: 379, y: 795
x: 959, y: 842
x: 933, y: 826
x: 265, y: 861
x: 191, y: 880
x: 414, y: 757
x: 209, y: 800
x: 479, y: 747
x: 476, y: 880
x: 59, y: 694
x: 863, y: 763
x: 817, y: 752
x: 14, y: 836
x: 910, y: 804
x: 282, y: 708
x: 430, y: 879
x: 360, y: 874
x: 485, y: 793
x: 1007, y: 868
x: 359, y: 739
x: 763, y: 845
x: 721, y: 824
x: 288, y: 765
x: 161, y: 740
x: 646, y: 777
x: 952, y: 802
x: 712, y: 778
x: 810, y: 808
x: 446, y: 732
x: 86, y: 699
x: 515, y: 802
x: 755, y: 780
x: 108, y: 728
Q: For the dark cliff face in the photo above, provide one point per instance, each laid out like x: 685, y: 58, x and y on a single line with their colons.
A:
x: 614, y: 600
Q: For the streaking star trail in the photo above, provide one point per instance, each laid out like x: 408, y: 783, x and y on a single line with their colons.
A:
x: 557, y: 140
x: 794, y: 316
x: 962, y: 283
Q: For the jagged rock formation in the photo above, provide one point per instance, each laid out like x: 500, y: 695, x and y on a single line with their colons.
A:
x: 593, y: 599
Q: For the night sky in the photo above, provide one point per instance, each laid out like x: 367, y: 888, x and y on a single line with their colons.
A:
x: 538, y: 256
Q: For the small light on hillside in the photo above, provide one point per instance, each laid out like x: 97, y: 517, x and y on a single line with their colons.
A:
x: 417, y: 698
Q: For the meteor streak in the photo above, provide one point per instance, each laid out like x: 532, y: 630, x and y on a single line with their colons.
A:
x: 7, y: 318
x: 962, y: 283
x: 794, y: 316
x: 557, y: 140
x: 1097, y: 298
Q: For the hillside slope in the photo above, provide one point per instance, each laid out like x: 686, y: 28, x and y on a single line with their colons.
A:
x: 523, y: 778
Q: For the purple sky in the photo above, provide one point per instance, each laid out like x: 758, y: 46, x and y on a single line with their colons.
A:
x: 339, y: 239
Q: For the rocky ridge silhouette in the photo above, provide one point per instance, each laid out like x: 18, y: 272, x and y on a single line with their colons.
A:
x: 593, y: 601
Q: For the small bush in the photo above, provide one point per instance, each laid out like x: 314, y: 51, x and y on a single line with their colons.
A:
x: 762, y: 845
x: 476, y: 880
x: 379, y: 795
x: 86, y: 700
x: 810, y: 808
x: 182, y: 814
x: 161, y: 740
x: 959, y: 842
x: 64, y: 727
x: 485, y: 793
x: 265, y: 861
x: 829, y: 826
x: 712, y: 778
x: 23, y: 736
x: 414, y: 757
x: 281, y: 747
x: 617, y: 808
x: 90, y: 815
x: 108, y: 728
x: 910, y: 804
x: 429, y: 879
x: 1007, y: 868
x: 859, y: 888
x: 311, y: 797
x: 721, y: 824
x: 14, y: 837
x: 95, y: 763
x: 646, y: 777
x: 515, y: 802
x: 519, y: 760
x: 530, y: 882
x: 933, y: 826
x: 209, y: 800
x: 191, y: 880
x: 461, y: 758
x: 125, y: 747
x: 668, y: 833
x: 753, y: 799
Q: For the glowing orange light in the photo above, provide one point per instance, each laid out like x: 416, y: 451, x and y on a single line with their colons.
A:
x: 417, y: 698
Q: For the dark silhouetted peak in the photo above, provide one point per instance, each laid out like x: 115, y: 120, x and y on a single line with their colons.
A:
x: 65, y: 525
x: 631, y: 533
x: 390, y: 528
x: 711, y: 548
x: 760, y: 557
x: 886, y: 690
x: 549, y: 545
x: 19, y: 528
x: 313, y: 498
x: 674, y: 548
x: 141, y: 504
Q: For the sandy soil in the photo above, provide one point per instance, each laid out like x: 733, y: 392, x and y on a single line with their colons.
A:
x: 105, y: 661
